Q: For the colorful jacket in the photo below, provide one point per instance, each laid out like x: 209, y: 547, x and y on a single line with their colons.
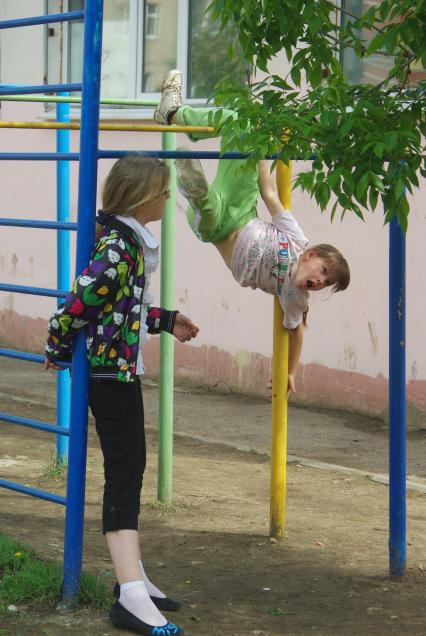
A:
x: 106, y: 300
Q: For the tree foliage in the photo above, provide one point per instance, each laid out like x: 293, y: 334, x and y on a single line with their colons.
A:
x: 367, y: 140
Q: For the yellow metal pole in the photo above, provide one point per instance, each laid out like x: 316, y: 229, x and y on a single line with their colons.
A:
x: 55, y: 125
x: 279, y: 392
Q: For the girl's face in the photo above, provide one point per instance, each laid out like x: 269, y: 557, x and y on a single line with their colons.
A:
x: 313, y: 273
x: 152, y: 210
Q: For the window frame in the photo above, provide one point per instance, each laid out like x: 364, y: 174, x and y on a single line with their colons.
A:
x: 134, y: 90
x: 182, y: 28
x: 155, y: 19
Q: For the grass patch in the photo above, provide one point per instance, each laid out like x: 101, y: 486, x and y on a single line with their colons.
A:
x: 56, y: 469
x: 28, y: 580
x: 277, y: 611
x: 164, y: 509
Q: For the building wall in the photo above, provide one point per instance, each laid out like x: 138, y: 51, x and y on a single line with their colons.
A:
x: 345, y: 357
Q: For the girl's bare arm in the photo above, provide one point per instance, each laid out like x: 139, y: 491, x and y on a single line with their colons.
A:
x: 295, y: 344
x: 268, y: 188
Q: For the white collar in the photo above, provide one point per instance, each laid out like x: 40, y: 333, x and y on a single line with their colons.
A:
x: 141, y: 230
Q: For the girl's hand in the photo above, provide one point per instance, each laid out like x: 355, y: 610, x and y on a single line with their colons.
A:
x: 291, y: 383
x: 291, y: 387
x: 184, y: 329
x: 48, y: 364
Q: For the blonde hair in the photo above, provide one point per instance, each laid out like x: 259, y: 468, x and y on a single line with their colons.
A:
x: 337, y: 264
x: 132, y: 181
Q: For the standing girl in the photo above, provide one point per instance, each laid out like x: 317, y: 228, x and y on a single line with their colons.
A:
x: 110, y: 299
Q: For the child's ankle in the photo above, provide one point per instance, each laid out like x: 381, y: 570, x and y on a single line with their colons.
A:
x: 171, y: 119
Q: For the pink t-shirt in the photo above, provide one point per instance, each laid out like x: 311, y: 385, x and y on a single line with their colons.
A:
x: 265, y: 256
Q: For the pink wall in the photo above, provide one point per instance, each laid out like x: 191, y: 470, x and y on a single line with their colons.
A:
x: 344, y: 361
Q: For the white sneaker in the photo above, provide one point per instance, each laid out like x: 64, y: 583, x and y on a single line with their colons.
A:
x: 171, y: 97
x: 191, y: 180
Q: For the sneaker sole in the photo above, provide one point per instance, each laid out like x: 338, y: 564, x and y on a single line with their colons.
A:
x: 191, y: 179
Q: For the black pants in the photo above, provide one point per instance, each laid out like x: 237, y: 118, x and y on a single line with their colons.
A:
x: 118, y: 411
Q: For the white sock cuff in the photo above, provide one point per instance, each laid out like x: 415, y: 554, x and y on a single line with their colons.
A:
x: 130, y: 585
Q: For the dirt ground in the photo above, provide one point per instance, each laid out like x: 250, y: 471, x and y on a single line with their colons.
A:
x: 211, y: 548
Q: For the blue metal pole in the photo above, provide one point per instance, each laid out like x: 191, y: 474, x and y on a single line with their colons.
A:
x: 47, y: 225
x: 26, y: 421
x: 63, y: 384
x: 34, y: 492
x: 42, y: 19
x: 29, y: 89
x: 397, y: 402
x: 73, y: 547
x: 36, y: 291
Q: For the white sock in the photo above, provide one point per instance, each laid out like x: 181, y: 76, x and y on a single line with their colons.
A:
x: 135, y: 599
x: 152, y: 589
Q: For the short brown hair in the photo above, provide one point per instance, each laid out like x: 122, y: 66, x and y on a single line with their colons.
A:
x: 336, y: 263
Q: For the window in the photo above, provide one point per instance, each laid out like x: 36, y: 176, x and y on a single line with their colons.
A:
x: 208, y: 53
x: 373, y: 69
x: 152, y: 20
x: 142, y: 40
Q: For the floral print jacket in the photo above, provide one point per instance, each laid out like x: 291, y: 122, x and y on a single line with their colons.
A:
x: 106, y: 300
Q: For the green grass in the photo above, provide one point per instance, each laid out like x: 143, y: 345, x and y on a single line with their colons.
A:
x: 26, y: 579
x: 56, y: 469
x: 162, y: 508
x: 277, y: 611
x: 169, y: 508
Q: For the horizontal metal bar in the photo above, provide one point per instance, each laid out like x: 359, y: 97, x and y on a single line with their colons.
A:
x: 77, y: 100
x: 39, y: 156
x: 46, y: 225
x: 56, y: 125
x: 116, y: 154
x: 44, y: 88
x: 42, y: 19
x: 178, y: 154
x: 21, y: 355
x: 29, y: 357
x: 41, y: 426
x: 33, y: 492
x: 36, y: 291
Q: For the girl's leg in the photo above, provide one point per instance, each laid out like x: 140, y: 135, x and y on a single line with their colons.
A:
x: 118, y: 411
x: 230, y: 202
x: 123, y: 546
x: 206, y: 206
x: 189, y: 116
x: 232, y: 195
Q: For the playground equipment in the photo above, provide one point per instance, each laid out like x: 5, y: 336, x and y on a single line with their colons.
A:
x: 77, y: 431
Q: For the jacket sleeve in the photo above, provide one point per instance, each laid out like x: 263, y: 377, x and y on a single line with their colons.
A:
x: 160, y: 320
x: 92, y: 290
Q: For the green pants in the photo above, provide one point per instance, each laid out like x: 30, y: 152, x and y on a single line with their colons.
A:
x: 231, y: 199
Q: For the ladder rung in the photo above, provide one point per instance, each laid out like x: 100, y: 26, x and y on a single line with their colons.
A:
x: 18, y: 89
x: 34, y: 492
x: 42, y: 19
x: 37, y: 291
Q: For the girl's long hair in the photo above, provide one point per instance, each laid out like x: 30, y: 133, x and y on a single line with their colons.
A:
x: 132, y: 181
